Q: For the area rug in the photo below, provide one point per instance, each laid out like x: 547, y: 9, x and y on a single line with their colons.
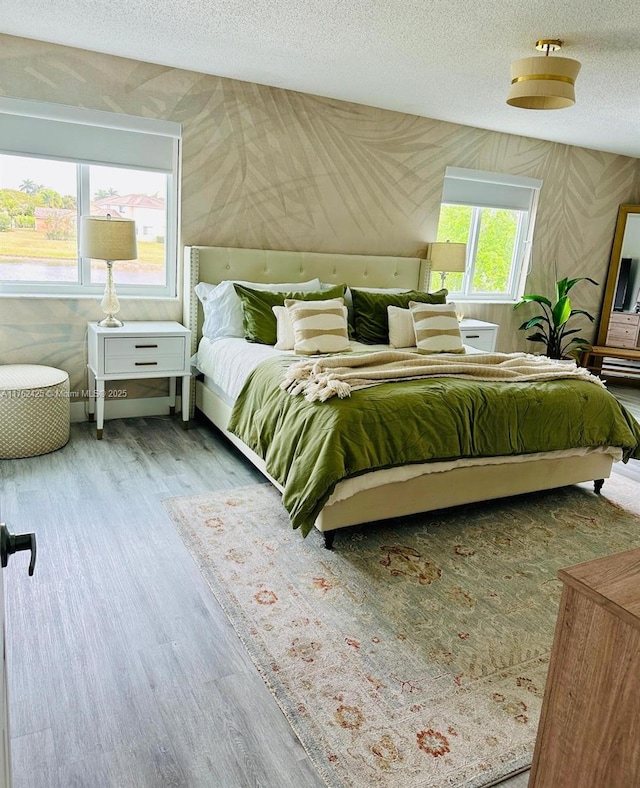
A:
x: 415, y: 653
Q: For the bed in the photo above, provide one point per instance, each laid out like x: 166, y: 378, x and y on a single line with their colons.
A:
x: 388, y: 492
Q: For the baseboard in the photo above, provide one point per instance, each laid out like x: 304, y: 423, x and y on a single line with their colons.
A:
x: 126, y: 408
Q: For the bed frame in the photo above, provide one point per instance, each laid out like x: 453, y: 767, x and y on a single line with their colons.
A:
x: 431, y: 491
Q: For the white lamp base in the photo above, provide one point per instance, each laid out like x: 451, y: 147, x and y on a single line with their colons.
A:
x: 110, y: 303
x: 111, y: 322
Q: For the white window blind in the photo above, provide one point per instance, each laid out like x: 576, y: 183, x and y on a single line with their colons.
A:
x: 87, y: 136
x: 489, y: 189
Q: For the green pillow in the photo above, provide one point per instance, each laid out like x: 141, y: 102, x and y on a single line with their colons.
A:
x: 257, y: 315
x: 370, y: 311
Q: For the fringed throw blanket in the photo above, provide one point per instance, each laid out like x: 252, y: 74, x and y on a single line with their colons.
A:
x: 323, y: 378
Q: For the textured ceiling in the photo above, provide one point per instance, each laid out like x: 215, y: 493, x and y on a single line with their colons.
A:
x: 445, y: 59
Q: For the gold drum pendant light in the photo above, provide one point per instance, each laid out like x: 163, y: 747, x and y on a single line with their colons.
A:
x: 543, y: 82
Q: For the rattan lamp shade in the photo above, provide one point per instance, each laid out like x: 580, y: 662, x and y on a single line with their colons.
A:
x: 103, y: 238
x: 543, y: 83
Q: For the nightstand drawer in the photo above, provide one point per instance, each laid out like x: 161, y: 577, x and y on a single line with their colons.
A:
x: 118, y: 365
x: 143, y: 354
x: 482, y: 339
x: 138, y: 346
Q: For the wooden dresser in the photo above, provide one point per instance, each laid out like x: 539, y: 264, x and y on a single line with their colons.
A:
x: 589, y: 733
x: 624, y: 329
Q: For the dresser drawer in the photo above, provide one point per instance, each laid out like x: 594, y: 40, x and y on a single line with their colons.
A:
x: 622, y: 336
x: 480, y: 338
x: 624, y: 319
x: 143, y: 354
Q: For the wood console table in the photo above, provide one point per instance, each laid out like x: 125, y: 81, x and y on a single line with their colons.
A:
x: 589, y: 733
x: 592, y: 359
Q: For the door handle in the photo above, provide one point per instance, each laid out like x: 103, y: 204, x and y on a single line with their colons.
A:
x: 14, y: 543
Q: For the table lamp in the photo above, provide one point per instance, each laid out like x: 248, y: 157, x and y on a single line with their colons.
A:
x: 108, y: 239
x: 447, y: 258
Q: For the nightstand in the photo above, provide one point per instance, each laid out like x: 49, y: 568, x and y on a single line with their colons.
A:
x: 136, y: 351
x: 479, y: 334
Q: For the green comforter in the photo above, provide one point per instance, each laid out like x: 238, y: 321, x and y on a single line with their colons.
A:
x: 310, y: 446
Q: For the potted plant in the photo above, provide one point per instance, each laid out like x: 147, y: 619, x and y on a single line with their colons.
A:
x: 553, y: 324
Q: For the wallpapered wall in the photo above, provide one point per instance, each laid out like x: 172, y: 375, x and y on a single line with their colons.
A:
x: 270, y: 168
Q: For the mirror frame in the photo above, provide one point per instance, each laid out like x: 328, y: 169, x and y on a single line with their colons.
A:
x: 614, y: 269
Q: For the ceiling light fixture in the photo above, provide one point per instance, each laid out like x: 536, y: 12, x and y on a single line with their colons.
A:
x: 543, y: 82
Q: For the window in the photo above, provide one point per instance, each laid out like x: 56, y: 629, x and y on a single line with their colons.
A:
x: 59, y: 163
x: 494, y: 215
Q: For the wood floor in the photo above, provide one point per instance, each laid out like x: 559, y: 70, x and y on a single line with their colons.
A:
x: 123, y: 671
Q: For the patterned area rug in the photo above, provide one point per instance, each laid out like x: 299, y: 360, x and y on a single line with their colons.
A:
x: 415, y: 653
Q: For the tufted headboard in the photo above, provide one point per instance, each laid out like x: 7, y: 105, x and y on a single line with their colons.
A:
x: 214, y: 264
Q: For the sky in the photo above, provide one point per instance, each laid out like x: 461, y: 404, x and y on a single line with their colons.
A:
x: 61, y: 176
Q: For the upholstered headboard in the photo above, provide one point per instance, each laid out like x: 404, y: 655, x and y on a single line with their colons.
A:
x: 214, y: 264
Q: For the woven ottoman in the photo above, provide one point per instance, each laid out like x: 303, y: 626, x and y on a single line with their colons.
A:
x: 34, y: 410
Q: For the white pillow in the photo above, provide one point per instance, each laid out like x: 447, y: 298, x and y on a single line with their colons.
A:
x: 223, y: 310
x: 401, y: 331
x: 319, y: 326
x: 437, y: 328
x: 284, y: 329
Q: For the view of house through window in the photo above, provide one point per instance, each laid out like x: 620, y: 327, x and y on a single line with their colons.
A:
x: 494, y: 215
x: 41, y: 201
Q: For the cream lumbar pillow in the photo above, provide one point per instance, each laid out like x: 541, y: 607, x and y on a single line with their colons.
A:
x: 319, y: 326
x: 284, y: 330
x: 437, y: 328
x: 401, y: 331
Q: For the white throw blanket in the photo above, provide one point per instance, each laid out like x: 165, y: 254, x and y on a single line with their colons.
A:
x: 322, y: 378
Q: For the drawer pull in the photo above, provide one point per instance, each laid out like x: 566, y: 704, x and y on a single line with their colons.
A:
x: 472, y: 336
x: 146, y: 363
x: 145, y: 346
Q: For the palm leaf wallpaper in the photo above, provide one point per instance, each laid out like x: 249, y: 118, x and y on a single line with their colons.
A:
x: 270, y: 168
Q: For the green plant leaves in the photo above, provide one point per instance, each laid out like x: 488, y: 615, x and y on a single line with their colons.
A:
x: 561, y: 311
x: 539, y: 337
x: 535, y: 321
x: 581, y: 312
x: 553, y: 325
x: 538, y: 298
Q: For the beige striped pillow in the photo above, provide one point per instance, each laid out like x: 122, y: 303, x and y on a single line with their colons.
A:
x: 437, y: 328
x: 319, y: 326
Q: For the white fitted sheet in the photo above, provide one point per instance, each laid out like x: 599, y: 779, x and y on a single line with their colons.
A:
x: 227, y: 362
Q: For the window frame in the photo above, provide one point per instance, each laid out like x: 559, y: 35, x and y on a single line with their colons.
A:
x: 502, y: 192
x: 95, y: 128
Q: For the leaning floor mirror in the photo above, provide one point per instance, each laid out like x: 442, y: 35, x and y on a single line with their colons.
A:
x: 620, y: 317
